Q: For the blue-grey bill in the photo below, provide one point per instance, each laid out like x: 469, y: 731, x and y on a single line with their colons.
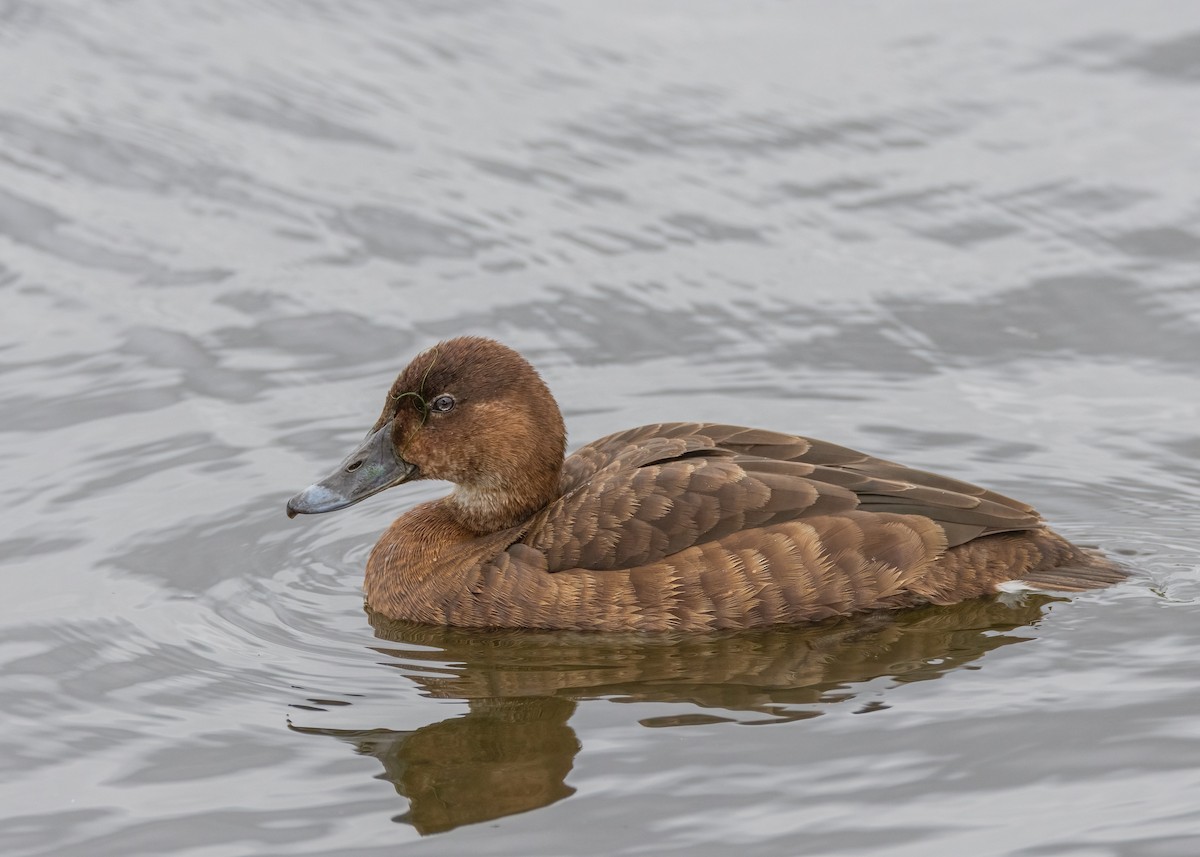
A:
x: 369, y: 469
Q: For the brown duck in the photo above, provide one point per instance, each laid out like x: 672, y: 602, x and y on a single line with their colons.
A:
x: 677, y: 526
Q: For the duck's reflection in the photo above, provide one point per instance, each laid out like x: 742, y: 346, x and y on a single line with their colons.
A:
x: 514, y: 748
x: 505, y: 756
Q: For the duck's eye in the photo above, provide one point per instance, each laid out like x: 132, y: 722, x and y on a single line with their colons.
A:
x: 442, y: 404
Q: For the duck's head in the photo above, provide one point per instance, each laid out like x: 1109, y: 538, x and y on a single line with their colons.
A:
x: 470, y: 411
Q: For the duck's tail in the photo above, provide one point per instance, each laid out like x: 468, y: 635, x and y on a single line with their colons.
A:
x: 1087, y: 570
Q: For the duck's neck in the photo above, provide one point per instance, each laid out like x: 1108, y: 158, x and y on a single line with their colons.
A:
x: 488, y: 506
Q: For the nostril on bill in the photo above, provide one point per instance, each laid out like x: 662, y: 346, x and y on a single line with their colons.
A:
x: 354, y: 466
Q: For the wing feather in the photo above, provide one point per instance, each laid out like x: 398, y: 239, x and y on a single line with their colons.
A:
x: 642, y: 495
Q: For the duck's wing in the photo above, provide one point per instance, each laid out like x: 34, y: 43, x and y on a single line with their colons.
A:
x: 964, y: 511
x: 641, y: 495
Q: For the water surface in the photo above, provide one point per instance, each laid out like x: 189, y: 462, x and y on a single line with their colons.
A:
x: 965, y: 237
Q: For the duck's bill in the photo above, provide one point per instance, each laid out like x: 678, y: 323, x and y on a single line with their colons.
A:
x: 371, y: 468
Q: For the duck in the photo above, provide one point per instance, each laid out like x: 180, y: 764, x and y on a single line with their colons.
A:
x: 684, y: 526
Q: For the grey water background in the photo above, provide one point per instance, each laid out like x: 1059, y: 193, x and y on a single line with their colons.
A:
x: 961, y: 235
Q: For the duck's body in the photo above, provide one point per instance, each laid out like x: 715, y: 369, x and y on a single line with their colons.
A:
x: 679, y: 526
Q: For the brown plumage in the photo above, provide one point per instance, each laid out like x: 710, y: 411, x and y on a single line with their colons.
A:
x: 685, y: 526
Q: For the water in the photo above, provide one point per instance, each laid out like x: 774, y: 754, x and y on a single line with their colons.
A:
x: 961, y: 236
